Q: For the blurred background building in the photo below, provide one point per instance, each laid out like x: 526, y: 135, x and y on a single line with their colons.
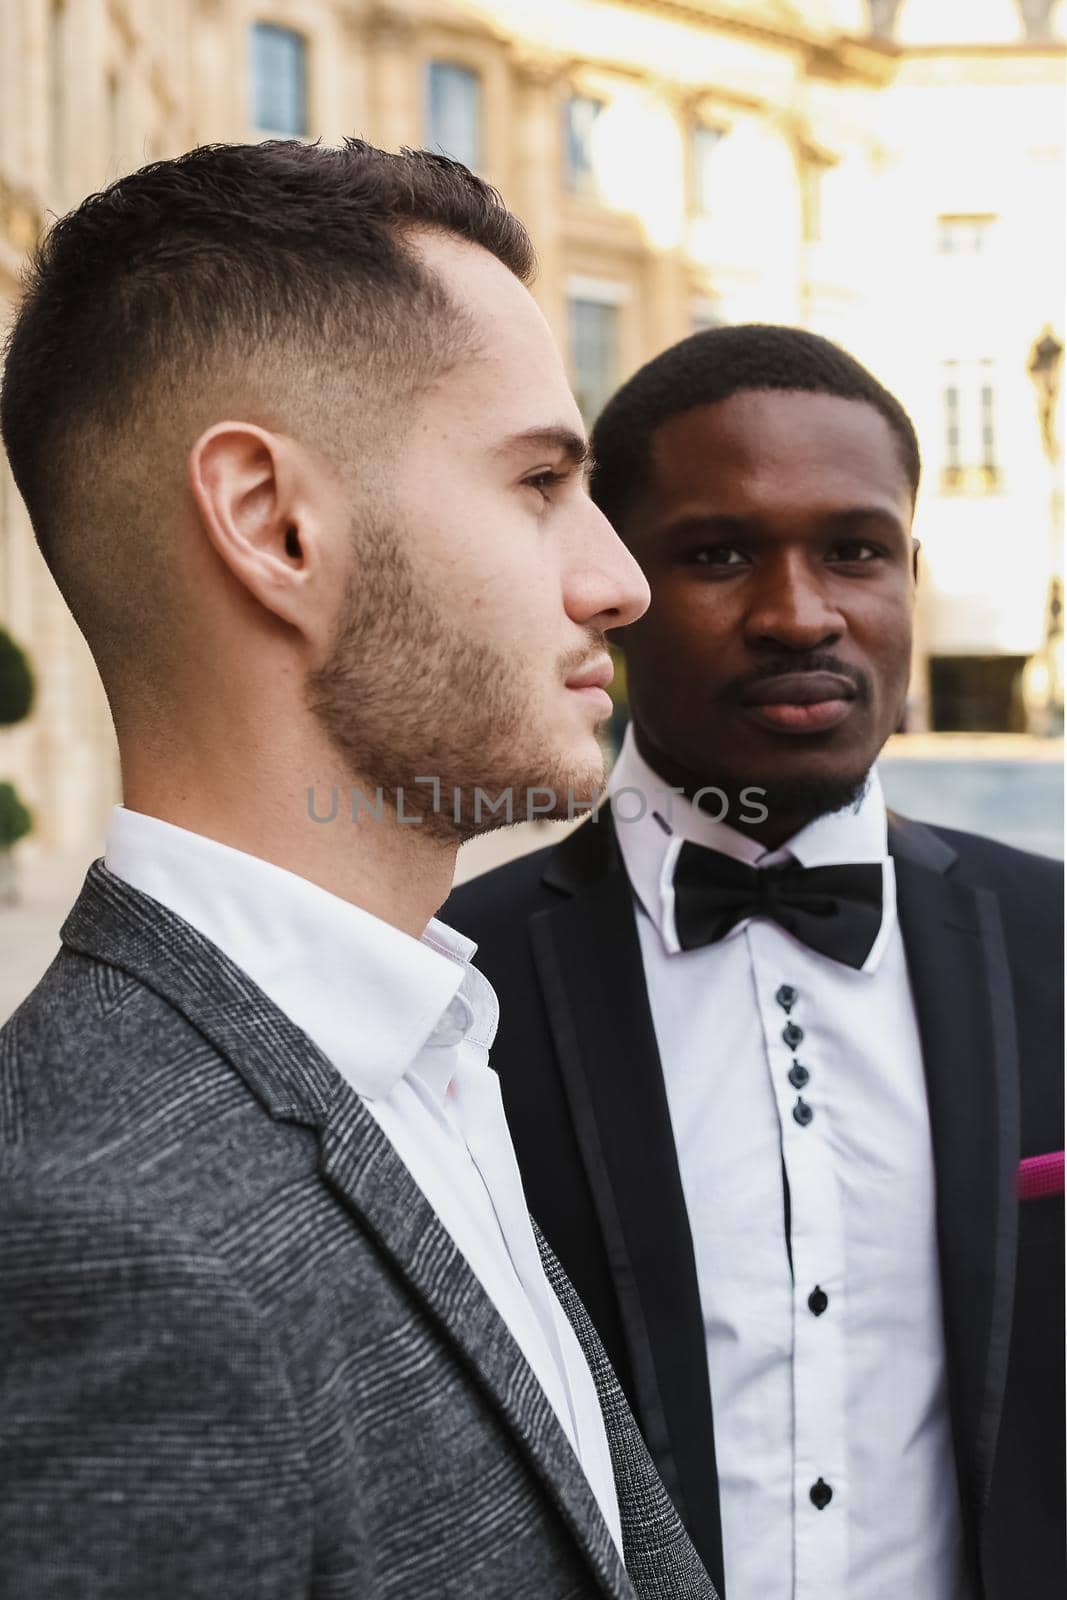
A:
x: 887, y: 172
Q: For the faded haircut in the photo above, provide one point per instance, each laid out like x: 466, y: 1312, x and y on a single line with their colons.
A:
x: 277, y: 279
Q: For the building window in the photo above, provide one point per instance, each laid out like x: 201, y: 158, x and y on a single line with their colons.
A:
x: 278, y: 72
x: 987, y: 415
x: 977, y: 694
x: 594, y: 335
x: 963, y: 236
x: 950, y: 404
x: 1036, y: 18
x: 883, y: 17
x: 580, y: 115
x: 454, y: 112
x: 705, y: 142
x: 969, y: 458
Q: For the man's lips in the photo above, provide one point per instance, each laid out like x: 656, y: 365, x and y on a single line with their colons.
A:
x: 800, y: 702
x: 591, y: 682
x: 595, y: 674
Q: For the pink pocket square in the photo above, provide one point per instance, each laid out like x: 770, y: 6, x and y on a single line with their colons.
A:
x: 1040, y: 1176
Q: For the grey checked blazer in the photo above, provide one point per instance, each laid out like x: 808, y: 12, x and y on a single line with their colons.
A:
x: 240, y: 1358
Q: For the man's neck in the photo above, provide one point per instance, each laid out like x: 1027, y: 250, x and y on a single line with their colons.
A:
x: 396, y: 870
x: 743, y: 801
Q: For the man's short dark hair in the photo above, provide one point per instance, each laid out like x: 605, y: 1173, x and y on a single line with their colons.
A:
x: 229, y: 255
x: 713, y: 365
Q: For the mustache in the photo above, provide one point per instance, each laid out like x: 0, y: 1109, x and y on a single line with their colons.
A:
x: 577, y: 659
x: 790, y: 666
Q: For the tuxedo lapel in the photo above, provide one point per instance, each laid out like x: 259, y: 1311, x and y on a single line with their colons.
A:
x: 115, y: 923
x: 962, y: 989
x: 589, y: 965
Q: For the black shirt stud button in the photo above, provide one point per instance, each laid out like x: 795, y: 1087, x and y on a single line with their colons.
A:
x: 787, y: 997
x: 798, y: 1075
x: 818, y: 1300
x: 821, y: 1495
x: 802, y: 1112
x: 792, y: 1035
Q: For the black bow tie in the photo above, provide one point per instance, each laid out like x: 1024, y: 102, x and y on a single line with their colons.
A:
x: 834, y: 910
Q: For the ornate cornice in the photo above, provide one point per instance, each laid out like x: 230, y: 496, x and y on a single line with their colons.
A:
x: 539, y: 69
x: 825, y: 55
x: 769, y: 22
x: 390, y: 27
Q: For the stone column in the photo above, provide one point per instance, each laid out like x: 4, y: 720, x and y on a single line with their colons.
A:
x: 536, y: 190
x: 394, y: 83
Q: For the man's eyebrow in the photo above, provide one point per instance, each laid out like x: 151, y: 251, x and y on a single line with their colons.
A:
x: 556, y: 441
x: 857, y: 515
x: 724, y: 524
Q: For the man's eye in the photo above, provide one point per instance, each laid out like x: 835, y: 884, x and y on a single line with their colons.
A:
x: 718, y: 555
x: 545, y: 481
x: 850, y: 550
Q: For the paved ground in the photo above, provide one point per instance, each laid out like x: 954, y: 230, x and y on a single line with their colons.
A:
x: 48, y: 886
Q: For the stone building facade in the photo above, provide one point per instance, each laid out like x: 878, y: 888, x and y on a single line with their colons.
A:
x: 887, y: 172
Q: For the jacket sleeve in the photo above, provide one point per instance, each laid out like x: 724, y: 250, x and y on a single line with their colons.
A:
x: 149, y: 1443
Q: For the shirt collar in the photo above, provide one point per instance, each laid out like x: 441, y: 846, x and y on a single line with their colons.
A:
x: 370, y: 996
x: 653, y: 821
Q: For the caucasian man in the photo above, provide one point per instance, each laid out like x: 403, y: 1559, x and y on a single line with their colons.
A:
x: 300, y: 452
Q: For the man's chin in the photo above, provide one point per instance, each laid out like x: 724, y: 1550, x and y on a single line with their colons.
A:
x: 811, y: 792
x: 549, y: 791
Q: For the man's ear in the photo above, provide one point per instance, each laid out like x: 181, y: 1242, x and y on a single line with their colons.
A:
x: 916, y: 549
x: 247, y: 490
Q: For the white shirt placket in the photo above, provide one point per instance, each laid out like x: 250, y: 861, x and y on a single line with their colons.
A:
x: 817, y: 1241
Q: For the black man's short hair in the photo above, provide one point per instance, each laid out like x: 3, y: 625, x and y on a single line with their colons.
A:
x: 713, y: 365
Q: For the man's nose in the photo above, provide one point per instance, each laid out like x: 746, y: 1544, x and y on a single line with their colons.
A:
x: 792, y: 609
x: 605, y: 585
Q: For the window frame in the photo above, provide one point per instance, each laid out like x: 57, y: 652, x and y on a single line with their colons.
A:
x: 579, y: 181
x: 970, y: 462
x: 979, y: 223
x: 700, y: 203
x: 609, y: 297
x: 468, y: 70
x: 258, y: 28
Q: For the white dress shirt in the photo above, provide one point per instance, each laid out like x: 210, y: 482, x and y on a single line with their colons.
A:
x: 848, y: 1395
x: 408, y: 1022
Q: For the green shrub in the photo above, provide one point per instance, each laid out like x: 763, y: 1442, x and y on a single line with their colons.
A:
x: 16, y: 819
x: 16, y: 682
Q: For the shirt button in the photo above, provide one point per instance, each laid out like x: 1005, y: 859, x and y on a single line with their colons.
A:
x: 818, y: 1300
x: 821, y: 1495
x: 792, y: 1035
x: 798, y: 1075
x: 787, y: 997
x: 802, y: 1112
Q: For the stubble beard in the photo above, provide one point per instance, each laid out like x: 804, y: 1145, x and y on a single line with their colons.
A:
x: 405, y: 696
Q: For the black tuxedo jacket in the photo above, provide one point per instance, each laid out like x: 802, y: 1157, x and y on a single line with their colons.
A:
x: 577, y: 1057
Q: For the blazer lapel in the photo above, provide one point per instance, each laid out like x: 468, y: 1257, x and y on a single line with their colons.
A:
x: 962, y: 989
x: 293, y: 1079
x: 362, y: 1167
x: 589, y: 964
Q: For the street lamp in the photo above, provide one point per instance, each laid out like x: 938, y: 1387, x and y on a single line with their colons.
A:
x: 1043, y: 678
x: 1046, y: 361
